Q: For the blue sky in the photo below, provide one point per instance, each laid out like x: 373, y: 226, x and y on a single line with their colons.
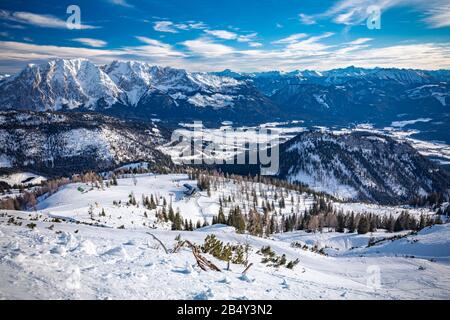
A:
x: 250, y: 35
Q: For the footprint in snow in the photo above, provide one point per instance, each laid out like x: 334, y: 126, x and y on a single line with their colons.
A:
x: 130, y: 243
x: 285, y: 284
x: 88, y: 247
x: 118, y: 252
x: 13, y: 246
x: 16, y: 257
x: 59, y: 250
x: 247, y: 278
x: 186, y: 270
x: 73, y: 281
x: 68, y: 239
x: 225, y: 280
x: 205, y: 295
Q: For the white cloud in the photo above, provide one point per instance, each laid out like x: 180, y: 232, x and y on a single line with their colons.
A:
x: 205, y: 47
x: 248, y: 37
x: 18, y: 54
x: 122, y: 3
x: 182, y: 26
x: 306, y: 19
x: 165, y: 26
x: 96, y: 43
x: 11, y: 25
x: 312, y: 44
x: 347, y: 50
x: 439, y: 17
x: 203, y: 54
x: 255, y: 44
x: 27, y: 52
x: 228, y: 35
x: 222, y: 34
x: 353, y: 12
x: 172, y: 27
x: 39, y: 20
x: 153, y: 48
x: 291, y: 39
x: 359, y: 41
x: 421, y: 56
x: 197, y: 25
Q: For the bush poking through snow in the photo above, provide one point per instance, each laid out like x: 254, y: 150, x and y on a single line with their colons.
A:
x: 230, y: 253
x: 272, y: 260
x: 292, y: 264
x: 31, y: 225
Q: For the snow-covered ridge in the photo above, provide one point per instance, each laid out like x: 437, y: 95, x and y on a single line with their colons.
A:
x: 57, y: 143
x: 340, y: 75
x: 360, y: 165
x: 4, y: 76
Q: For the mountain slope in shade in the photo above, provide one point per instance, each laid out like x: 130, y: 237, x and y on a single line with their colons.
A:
x: 352, y: 94
x: 57, y: 143
x: 360, y: 165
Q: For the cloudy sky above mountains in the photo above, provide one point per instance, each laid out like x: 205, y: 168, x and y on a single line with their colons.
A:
x: 251, y: 35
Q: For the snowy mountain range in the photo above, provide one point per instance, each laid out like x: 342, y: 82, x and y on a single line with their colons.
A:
x: 342, y: 75
x: 360, y: 165
x: 130, y: 89
x: 139, y: 90
x: 55, y: 143
x: 353, y: 94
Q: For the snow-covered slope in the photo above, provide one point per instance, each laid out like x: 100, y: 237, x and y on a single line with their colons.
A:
x: 59, y: 83
x: 430, y: 243
x: 124, y: 264
x: 360, y: 165
x: 62, y: 143
x: 22, y: 178
x: 79, y: 245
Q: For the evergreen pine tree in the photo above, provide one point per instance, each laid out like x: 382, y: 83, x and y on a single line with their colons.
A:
x: 363, y: 225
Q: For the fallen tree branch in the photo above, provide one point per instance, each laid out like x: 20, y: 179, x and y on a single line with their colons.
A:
x: 160, y: 242
x: 178, y: 246
x: 202, y: 262
x: 246, y: 269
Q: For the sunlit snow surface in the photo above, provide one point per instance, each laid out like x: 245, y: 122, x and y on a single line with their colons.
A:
x: 77, y: 261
